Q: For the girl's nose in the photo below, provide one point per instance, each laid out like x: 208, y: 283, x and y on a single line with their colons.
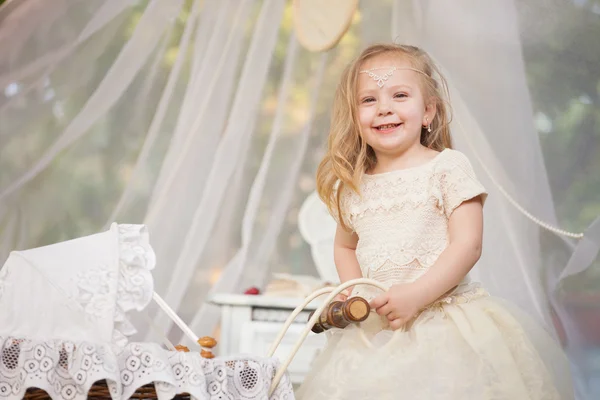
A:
x: 384, y: 108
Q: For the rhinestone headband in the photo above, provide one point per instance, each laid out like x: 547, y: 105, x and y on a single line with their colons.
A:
x: 381, y: 79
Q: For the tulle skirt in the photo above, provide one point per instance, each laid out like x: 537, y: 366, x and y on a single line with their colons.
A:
x: 469, y: 347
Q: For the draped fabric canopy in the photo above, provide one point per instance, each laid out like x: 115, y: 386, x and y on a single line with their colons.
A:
x: 206, y: 120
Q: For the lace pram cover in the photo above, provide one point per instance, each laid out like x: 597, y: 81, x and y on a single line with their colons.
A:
x: 66, y: 370
x: 64, y: 326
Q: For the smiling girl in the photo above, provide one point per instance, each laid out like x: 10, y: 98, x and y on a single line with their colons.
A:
x: 409, y: 212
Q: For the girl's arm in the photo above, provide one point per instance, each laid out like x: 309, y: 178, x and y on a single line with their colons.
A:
x: 465, y: 228
x: 344, y: 255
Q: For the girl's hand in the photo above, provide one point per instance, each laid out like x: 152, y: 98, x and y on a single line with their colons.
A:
x: 400, y: 304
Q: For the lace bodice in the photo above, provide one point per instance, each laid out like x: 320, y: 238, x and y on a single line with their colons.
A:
x: 401, y: 217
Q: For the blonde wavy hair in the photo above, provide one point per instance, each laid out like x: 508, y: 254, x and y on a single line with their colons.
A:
x: 348, y: 155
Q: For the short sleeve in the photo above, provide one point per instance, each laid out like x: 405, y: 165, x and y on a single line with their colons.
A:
x: 458, y: 182
x: 344, y: 199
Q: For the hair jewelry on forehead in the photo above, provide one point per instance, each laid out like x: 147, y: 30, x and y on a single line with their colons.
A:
x: 381, y: 79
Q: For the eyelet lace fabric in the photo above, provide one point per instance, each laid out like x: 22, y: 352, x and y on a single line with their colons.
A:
x: 467, y: 345
x: 67, y: 370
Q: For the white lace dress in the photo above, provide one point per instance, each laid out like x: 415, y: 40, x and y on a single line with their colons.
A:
x: 465, y: 346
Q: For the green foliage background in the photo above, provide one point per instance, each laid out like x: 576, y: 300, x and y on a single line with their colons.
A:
x: 563, y: 69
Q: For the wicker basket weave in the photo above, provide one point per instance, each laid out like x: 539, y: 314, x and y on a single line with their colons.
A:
x: 100, y: 391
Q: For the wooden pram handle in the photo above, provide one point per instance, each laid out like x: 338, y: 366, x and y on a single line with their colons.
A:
x: 332, y: 293
x: 340, y: 314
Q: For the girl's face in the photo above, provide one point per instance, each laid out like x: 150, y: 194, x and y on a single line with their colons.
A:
x: 391, y: 116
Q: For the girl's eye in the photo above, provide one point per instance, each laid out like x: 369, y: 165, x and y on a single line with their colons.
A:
x: 400, y: 95
x: 368, y: 100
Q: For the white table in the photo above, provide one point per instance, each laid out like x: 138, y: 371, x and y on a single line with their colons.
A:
x: 250, y: 324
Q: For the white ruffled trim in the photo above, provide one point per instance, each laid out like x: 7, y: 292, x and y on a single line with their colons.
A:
x: 136, y: 260
x: 3, y: 276
x: 67, y: 370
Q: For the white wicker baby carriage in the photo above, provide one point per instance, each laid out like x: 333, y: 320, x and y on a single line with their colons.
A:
x: 64, y: 329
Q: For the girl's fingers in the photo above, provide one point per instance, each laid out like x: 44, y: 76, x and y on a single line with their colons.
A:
x: 397, y: 323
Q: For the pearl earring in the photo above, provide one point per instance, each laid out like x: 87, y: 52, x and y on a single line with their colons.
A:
x: 428, y: 125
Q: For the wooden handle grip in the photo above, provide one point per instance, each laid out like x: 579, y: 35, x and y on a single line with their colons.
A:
x: 356, y: 309
x: 340, y: 314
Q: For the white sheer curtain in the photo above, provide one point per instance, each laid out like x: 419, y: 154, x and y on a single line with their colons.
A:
x: 206, y: 120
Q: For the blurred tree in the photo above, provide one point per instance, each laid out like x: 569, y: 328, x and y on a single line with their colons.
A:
x: 562, y: 59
